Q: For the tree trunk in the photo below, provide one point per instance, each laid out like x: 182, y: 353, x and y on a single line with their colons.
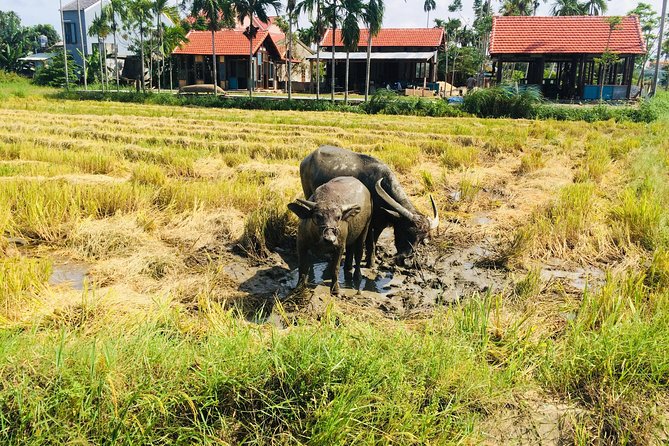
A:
x: 102, y: 76
x: 346, y: 80
x: 83, y: 47
x: 446, y: 67
x: 290, y: 55
x: 213, y: 55
x: 141, y: 52
x: 171, y: 74
x: 427, y: 25
x: 318, y: 51
x: 334, y: 31
x: 160, y: 39
x: 251, y: 76
x: 116, y: 54
x: 455, y: 56
x: 369, y: 58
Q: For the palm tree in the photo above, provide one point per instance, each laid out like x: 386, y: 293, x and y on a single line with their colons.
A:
x: 568, y: 7
x: 161, y: 7
x: 318, y: 26
x: 100, y: 28
x: 218, y: 13
x: 138, y: 14
x: 251, y: 9
x: 428, y: 6
x: 350, y: 33
x: 333, y: 11
x: 173, y: 37
x: 111, y: 10
x: 83, y: 49
x: 518, y: 7
x: 290, y: 9
x: 372, y: 16
x: 649, y: 21
x: 595, y: 7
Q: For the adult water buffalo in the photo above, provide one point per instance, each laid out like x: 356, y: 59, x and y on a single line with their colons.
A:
x: 335, y: 218
x: 391, y: 204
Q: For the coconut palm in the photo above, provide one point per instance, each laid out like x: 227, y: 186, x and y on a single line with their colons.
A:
x: 518, y: 7
x: 291, y: 6
x: 350, y: 33
x: 319, y: 29
x: 100, y: 27
x: 137, y: 16
x: 568, y: 7
x: 428, y: 6
x: 173, y: 36
x: 161, y: 7
x: 251, y: 9
x: 333, y: 11
x: 372, y: 16
x: 112, y: 10
x: 595, y: 7
x: 83, y: 49
x: 219, y: 14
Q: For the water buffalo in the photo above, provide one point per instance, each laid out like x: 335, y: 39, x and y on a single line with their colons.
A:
x: 391, y: 204
x: 335, y: 218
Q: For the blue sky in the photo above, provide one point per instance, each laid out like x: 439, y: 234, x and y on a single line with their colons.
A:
x: 399, y: 13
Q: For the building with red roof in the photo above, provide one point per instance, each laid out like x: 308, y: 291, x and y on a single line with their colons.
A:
x: 563, y: 53
x: 268, y: 46
x: 399, y: 56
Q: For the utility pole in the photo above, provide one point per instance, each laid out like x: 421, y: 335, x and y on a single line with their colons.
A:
x: 62, y: 28
x: 659, y: 49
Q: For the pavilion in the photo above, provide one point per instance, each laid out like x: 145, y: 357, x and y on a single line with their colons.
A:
x: 561, y: 53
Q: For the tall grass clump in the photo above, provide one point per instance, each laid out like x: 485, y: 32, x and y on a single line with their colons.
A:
x: 595, y: 164
x: 21, y: 279
x: 502, y: 102
x: 148, y: 174
x: 640, y: 217
x: 614, y: 361
x: 268, y: 227
x: 454, y: 156
x: 529, y: 162
x: 567, y: 220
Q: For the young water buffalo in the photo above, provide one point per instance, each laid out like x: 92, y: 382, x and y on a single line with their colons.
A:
x: 335, y: 218
x: 391, y: 204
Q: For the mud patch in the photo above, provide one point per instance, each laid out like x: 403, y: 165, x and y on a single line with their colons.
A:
x: 413, y: 288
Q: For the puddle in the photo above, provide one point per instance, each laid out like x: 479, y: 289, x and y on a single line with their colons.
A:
x: 579, y: 278
x: 481, y: 219
x: 72, y: 274
x: 376, y: 283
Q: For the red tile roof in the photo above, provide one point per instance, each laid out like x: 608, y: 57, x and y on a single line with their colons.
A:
x: 229, y: 42
x: 421, y: 37
x: 564, y: 35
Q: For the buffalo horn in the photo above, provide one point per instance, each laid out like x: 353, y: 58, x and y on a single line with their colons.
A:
x: 306, y: 203
x: 391, y: 201
x: 434, y: 222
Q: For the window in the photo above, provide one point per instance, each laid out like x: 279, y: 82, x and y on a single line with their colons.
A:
x: 70, y: 33
x: 421, y: 69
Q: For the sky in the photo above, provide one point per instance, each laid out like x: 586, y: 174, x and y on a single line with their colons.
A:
x: 399, y: 13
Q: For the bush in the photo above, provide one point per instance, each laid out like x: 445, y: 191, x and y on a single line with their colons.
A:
x: 389, y: 103
x: 502, y: 102
x: 53, y: 74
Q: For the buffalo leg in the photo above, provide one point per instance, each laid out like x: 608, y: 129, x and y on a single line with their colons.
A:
x: 359, y: 248
x: 373, y: 235
x: 303, y: 259
x: 334, y: 271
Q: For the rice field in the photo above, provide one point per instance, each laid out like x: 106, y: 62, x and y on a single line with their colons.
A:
x: 141, y: 247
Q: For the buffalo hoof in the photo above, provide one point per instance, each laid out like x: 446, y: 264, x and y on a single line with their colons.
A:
x: 357, y: 275
x: 335, y: 290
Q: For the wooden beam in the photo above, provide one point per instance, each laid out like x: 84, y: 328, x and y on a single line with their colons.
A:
x: 630, y: 76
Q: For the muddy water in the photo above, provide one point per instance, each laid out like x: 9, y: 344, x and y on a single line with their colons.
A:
x: 69, y: 273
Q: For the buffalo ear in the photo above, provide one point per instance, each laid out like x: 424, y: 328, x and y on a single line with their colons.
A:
x: 349, y: 211
x: 393, y: 214
x: 301, y: 211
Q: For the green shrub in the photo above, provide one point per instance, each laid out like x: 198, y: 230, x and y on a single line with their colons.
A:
x: 502, y: 102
